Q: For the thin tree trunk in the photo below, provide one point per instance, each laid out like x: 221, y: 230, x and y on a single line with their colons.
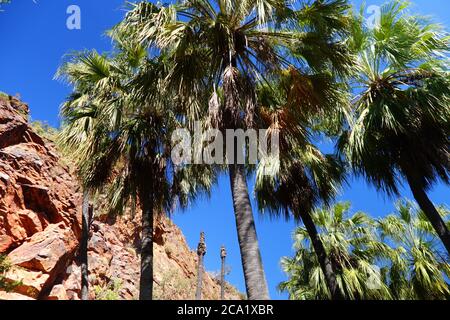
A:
x: 84, y: 247
x: 255, y: 279
x: 430, y: 211
x: 146, y: 281
x: 324, y: 260
x: 222, y: 273
x: 201, y: 251
x: 198, y: 294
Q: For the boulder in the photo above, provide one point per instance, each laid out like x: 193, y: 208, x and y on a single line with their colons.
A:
x: 46, y: 251
x: 58, y: 293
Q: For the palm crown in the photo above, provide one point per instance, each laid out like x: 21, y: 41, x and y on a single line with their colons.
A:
x: 233, y: 45
x: 401, y: 125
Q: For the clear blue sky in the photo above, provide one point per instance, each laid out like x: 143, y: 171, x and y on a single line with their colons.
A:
x: 35, y: 38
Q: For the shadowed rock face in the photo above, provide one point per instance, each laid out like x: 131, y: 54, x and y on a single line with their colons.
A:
x: 40, y: 219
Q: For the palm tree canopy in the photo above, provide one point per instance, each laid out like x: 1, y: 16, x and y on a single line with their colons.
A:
x: 118, y: 123
x: 248, y: 48
x: 235, y: 44
x: 298, y: 106
x: 402, y: 118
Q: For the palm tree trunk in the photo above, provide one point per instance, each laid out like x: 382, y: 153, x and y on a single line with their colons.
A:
x: 255, y: 279
x: 84, y: 247
x: 198, y: 294
x: 324, y: 260
x: 146, y: 281
x: 430, y: 211
x: 222, y: 273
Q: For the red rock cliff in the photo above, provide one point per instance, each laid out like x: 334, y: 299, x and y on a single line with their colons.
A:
x: 40, y: 229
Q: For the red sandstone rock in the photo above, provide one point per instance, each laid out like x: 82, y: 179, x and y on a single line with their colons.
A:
x: 5, y: 242
x: 46, y: 250
x: 39, y: 224
x: 32, y: 282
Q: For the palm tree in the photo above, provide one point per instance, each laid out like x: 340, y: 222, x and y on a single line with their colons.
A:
x: 418, y: 269
x: 402, y: 119
x: 78, y: 116
x: 111, y: 148
x: 119, y: 125
x: 201, y: 252
x: 352, y: 244
x: 220, y: 50
x: 223, y: 256
x: 305, y: 176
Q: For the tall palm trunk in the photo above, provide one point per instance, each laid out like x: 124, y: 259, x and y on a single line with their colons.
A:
x: 84, y: 247
x: 430, y: 211
x: 146, y: 281
x: 324, y: 260
x: 201, y: 251
x: 255, y: 279
x: 198, y: 293
x: 223, y: 256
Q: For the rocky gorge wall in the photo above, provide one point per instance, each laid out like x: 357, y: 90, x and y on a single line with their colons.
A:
x: 40, y: 218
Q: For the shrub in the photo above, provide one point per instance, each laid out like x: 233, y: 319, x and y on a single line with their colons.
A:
x: 109, y: 292
x: 5, y: 266
x: 45, y: 130
x: 174, y: 285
